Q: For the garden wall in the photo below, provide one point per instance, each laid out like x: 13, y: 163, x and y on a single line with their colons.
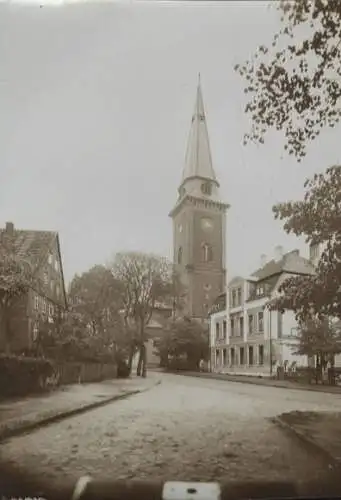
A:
x: 21, y: 376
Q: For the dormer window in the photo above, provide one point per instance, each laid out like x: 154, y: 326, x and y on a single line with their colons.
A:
x: 206, y: 188
x: 50, y: 258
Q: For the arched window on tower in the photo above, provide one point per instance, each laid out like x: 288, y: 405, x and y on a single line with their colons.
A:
x: 180, y: 255
x: 206, y: 252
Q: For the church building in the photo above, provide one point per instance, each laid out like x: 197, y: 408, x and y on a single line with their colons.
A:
x: 199, y: 222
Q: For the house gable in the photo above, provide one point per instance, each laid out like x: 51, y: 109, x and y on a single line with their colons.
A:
x: 54, y: 268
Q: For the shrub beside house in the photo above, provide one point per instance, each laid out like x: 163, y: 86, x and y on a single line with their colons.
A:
x: 33, y: 312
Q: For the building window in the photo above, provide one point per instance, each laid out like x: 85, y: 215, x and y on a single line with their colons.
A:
x: 224, y: 357
x: 239, y: 296
x: 250, y: 324
x: 260, y: 290
x: 217, y: 360
x: 206, y: 188
x: 261, y: 321
x: 57, y: 290
x: 241, y: 325
x: 207, y: 254
x: 217, y: 331
x: 294, y: 332
x: 242, y: 356
x: 261, y: 354
x: 234, y: 301
x: 56, y: 266
x: 180, y: 255
x: 44, y: 305
x: 224, y: 328
x: 314, y: 251
x: 233, y: 356
x: 50, y: 258
x: 36, y: 302
x: 46, y: 278
x: 51, y: 310
x: 250, y: 355
x: 279, y: 324
x: 232, y: 327
x: 35, y: 331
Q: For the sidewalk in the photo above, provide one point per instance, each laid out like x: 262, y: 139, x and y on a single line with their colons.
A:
x: 20, y: 416
x: 245, y: 379
x: 319, y: 430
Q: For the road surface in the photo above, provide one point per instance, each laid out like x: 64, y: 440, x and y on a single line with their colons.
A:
x: 186, y: 428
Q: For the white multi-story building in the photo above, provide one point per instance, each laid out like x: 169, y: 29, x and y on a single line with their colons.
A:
x: 255, y: 339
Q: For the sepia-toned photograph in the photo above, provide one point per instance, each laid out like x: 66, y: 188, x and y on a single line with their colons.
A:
x: 170, y: 249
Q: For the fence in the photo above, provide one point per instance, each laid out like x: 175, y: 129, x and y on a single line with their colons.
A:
x: 72, y: 373
x: 330, y: 376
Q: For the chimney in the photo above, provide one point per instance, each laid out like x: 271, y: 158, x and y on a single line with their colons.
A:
x: 278, y: 253
x: 263, y: 260
x: 9, y: 228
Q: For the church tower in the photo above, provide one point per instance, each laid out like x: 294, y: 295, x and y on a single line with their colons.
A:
x: 199, y: 222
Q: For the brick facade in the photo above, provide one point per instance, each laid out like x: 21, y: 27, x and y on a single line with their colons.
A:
x: 41, y: 249
x: 199, y: 222
x: 204, y: 278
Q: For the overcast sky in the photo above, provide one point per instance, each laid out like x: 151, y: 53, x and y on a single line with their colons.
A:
x: 95, y: 109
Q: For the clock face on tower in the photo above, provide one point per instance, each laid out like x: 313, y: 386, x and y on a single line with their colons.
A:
x: 206, y: 223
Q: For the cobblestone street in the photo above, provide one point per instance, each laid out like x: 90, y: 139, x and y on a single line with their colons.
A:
x: 185, y: 428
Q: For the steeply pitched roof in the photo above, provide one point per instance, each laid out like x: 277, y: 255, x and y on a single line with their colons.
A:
x: 32, y: 246
x: 198, y: 160
x: 291, y: 262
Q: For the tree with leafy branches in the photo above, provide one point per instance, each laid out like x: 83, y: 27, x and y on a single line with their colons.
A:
x: 16, y: 278
x: 146, y: 280
x: 319, y: 338
x: 295, y: 85
x: 184, y: 338
x: 318, y: 218
x: 95, y: 301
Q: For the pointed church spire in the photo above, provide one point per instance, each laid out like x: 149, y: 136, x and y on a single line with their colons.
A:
x: 198, y: 161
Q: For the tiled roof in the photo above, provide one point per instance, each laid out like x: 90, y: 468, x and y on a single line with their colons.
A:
x: 291, y: 262
x: 31, y: 245
x: 235, y: 280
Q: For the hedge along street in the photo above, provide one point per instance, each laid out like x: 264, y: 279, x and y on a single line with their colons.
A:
x: 28, y: 414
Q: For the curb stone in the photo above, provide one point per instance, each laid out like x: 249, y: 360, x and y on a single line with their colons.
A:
x: 257, y: 381
x: 333, y: 462
x: 7, y: 433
